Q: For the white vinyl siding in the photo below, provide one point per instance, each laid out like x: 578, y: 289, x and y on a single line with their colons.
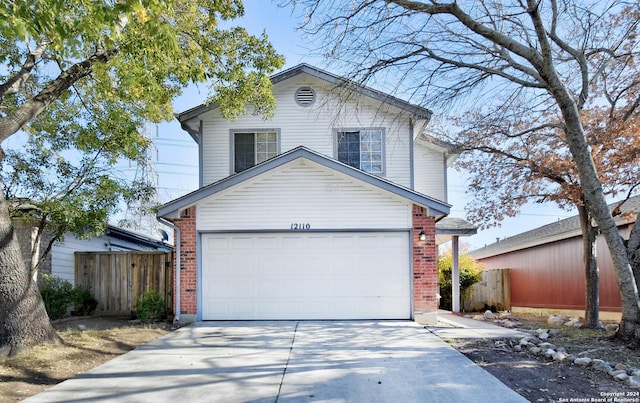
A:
x: 313, y: 127
x: 302, y: 192
x: 62, y: 259
x: 306, y: 276
x: 429, y: 173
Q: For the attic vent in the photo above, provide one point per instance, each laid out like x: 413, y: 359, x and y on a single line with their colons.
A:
x: 305, y: 96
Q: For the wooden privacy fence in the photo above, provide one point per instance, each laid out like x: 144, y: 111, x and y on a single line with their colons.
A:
x: 117, y: 279
x: 492, y: 292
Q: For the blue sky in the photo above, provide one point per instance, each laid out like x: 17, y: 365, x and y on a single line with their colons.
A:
x: 176, y: 154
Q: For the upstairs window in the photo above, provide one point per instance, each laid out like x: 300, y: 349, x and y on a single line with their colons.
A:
x: 251, y: 148
x: 362, y: 149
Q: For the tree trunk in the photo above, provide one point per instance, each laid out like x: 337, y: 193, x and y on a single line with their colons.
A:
x: 591, y: 186
x: 597, y: 205
x: 591, y: 271
x: 633, y: 248
x: 23, y: 318
x: 599, y: 210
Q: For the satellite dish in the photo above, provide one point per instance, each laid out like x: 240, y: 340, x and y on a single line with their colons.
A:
x: 163, y: 233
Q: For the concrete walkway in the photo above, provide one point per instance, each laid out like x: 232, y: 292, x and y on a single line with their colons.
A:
x: 454, y: 326
x: 328, y: 361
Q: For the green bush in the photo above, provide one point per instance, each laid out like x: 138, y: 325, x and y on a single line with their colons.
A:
x: 58, y: 295
x: 150, y: 307
x: 469, y: 275
x: 84, y: 303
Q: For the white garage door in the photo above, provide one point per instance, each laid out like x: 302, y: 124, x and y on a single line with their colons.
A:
x: 306, y: 276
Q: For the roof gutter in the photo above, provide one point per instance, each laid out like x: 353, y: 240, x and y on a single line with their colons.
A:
x: 195, y: 134
x: 176, y: 318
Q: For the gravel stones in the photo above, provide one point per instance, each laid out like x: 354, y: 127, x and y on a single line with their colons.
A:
x: 584, y: 361
x: 538, y: 343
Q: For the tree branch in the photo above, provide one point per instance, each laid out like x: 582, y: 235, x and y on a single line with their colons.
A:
x: 14, y: 121
x: 577, y: 55
x: 497, y: 37
x: 487, y: 70
x: 632, y: 109
x: 13, y: 84
x: 531, y: 165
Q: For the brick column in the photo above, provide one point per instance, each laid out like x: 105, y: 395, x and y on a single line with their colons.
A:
x: 188, y: 286
x: 425, y: 269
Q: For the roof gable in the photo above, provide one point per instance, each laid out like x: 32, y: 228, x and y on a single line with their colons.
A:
x: 436, y: 208
x: 417, y: 111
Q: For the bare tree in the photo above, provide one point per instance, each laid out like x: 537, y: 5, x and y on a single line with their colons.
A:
x: 556, y: 56
x: 515, y: 158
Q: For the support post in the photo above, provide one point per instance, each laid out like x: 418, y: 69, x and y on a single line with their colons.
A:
x: 455, y: 276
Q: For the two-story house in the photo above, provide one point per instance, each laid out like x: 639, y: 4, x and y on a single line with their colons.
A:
x: 327, y: 210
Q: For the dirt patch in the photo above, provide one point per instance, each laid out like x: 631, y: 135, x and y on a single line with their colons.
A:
x: 538, y: 379
x: 541, y: 379
x: 43, y: 366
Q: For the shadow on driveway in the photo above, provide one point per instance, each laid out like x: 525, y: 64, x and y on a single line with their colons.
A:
x: 337, y: 361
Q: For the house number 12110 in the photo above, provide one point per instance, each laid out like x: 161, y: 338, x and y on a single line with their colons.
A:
x: 299, y: 226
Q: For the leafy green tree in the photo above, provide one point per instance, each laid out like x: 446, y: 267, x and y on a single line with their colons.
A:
x: 77, y: 195
x: 84, y: 75
x: 469, y: 274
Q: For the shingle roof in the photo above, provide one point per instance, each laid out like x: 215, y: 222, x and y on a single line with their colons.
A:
x: 562, y: 229
x: 455, y: 226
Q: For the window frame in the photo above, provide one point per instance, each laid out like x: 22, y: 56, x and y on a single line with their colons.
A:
x: 232, y: 136
x: 383, y: 151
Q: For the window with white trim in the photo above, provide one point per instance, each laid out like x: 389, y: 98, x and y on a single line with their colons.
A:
x: 362, y: 149
x: 252, y: 148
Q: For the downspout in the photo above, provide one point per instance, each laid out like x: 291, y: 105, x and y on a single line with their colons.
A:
x: 176, y: 318
x: 412, y: 183
x: 201, y: 156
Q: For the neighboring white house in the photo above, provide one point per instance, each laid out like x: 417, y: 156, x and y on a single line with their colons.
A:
x: 114, y: 240
x: 60, y: 261
x: 325, y: 211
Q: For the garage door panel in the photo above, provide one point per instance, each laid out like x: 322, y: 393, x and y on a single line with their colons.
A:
x: 268, y: 288
x: 268, y: 309
x: 219, y: 288
x: 320, y: 286
x: 268, y: 243
x: 242, y: 242
x: 216, y: 308
x: 306, y: 276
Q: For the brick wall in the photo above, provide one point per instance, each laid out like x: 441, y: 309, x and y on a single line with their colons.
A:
x: 425, y: 271
x: 188, y: 287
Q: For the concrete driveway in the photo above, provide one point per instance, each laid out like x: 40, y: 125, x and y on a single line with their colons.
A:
x: 354, y: 361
